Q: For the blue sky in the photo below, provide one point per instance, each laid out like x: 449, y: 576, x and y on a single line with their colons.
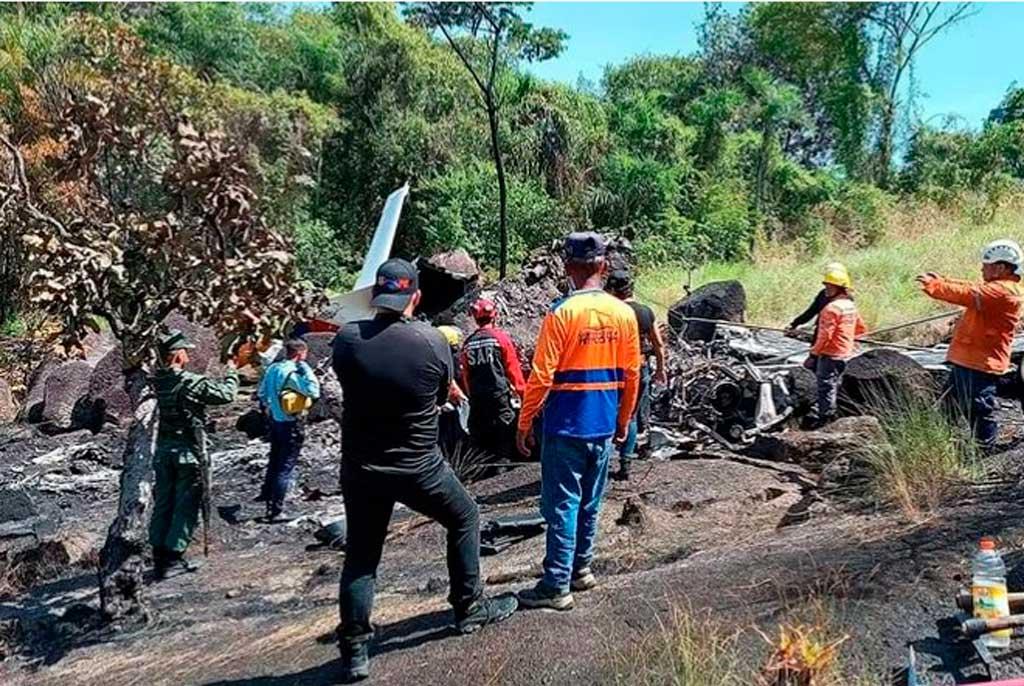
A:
x: 963, y: 72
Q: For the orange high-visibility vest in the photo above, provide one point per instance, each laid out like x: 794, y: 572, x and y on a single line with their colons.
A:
x: 839, y: 325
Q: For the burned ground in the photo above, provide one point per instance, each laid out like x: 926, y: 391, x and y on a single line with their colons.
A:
x: 751, y: 542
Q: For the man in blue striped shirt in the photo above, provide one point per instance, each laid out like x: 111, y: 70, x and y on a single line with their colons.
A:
x: 287, y: 431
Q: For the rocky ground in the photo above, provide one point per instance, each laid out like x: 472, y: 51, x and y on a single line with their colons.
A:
x: 750, y: 540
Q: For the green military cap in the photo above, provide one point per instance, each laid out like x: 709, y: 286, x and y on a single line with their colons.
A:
x: 174, y: 340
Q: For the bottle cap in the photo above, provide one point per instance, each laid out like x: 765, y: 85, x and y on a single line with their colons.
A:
x: 987, y: 544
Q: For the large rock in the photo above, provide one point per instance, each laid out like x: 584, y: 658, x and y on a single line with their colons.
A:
x: 817, y: 449
x: 883, y: 378
x: 725, y: 300
x: 8, y: 409
x: 445, y: 278
x: 107, y: 401
x: 67, y: 387
x: 32, y: 409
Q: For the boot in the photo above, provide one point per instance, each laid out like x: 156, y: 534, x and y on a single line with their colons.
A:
x: 355, y: 661
x: 623, y: 473
x: 543, y: 596
x: 485, y: 611
x: 161, y: 563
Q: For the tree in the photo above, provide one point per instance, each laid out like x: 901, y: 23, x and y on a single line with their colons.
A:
x: 777, y: 105
x: 131, y: 210
x: 490, y: 37
x: 903, y: 31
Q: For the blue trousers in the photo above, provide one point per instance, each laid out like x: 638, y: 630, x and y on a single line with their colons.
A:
x: 974, y: 393
x: 627, y: 450
x: 574, y: 473
x: 286, y: 439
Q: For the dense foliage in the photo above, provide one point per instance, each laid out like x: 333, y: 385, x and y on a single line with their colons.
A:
x: 792, y: 121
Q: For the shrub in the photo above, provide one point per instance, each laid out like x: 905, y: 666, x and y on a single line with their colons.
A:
x: 724, y: 224
x: 459, y: 209
x: 669, y: 239
x: 860, y: 213
x: 321, y: 258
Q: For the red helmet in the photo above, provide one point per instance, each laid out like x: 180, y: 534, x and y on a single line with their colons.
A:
x: 484, y: 310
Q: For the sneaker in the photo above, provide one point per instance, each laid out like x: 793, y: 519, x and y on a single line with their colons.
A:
x: 583, y: 580
x: 541, y: 596
x: 486, y: 611
x: 355, y: 662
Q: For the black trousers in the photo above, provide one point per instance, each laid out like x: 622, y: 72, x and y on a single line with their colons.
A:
x: 493, y: 428
x: 369, y: 500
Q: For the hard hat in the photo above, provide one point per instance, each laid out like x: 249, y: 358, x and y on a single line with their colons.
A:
x: 836, y: 274
x: 173, y: 341
x: 1004, y: 250
x: 483, y: 309
x: 451, y: 334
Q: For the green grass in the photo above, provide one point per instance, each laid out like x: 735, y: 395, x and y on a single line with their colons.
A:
x: 924, y: 459
x: 781, y: 283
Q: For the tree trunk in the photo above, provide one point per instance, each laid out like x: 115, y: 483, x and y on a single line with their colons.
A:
x: 122, y: 557
x: 885, y: 133
x: 499, y: 166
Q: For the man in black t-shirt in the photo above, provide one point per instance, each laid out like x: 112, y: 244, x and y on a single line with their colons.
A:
x: 620, y: 284
x: 394, y: 373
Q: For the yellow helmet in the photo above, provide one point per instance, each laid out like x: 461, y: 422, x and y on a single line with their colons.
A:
x: 451, y: 334
x: 836, y: 274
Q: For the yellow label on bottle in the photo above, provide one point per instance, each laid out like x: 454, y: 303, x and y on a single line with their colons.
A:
x: 991, y: 602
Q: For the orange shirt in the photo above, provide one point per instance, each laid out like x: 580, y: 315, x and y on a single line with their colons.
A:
x: 839, y: 325
x: 586, y: 369
x: 983, y: 336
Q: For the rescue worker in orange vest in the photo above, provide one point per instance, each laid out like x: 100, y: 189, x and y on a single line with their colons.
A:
x: 839, y: 326
x: 980, y: 351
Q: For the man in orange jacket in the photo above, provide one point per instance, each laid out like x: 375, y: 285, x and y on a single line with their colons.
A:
x: 839, y: 325
x: 583, y: 387
x: 980, y: 351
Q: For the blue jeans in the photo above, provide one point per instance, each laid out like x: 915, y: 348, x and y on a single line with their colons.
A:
x: 574, y: 472
x: 627, y: 450
x: 286, y: 439
x: 975, y: 395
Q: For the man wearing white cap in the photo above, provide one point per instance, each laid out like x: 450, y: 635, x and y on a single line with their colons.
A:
x: 980, y: 351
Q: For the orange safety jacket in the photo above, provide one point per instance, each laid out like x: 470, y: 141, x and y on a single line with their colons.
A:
x: 983, y: 336
x: 586, y: 369
x: 839, y: 326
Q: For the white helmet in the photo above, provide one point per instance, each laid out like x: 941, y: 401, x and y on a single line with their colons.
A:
x: 1004, y: 250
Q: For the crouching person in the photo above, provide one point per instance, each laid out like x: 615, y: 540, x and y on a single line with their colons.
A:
x: 395, y: 372
x: 980, y: 350
x: 839, y: 326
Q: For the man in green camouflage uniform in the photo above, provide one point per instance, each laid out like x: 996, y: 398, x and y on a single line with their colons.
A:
x: 182, y: 398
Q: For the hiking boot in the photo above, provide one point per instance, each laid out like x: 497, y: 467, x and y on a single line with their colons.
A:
x: 543, y: 596
x: 623, y: 473
x: 161, y: 563
x: 583, y: 580
x: 486, y: 611
x: 355, y: 661
x: 177, y: 563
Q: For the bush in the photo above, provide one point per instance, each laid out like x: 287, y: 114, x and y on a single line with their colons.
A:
x: 321, y: 258
x: 669, y: 239
x: 724, y: 225
x: 459, y: 209
x: 860, y: 212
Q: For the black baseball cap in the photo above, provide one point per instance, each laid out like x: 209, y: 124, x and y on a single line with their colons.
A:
x: 619, y: 281
x: 583, y: 246
x: 397, y: 281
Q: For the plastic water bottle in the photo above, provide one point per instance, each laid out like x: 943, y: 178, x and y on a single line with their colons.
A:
x: 988, y: 589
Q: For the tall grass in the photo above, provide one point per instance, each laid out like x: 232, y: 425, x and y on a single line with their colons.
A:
x: 925, y: 456
x: 780, y: 280
x: 687, y: 649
